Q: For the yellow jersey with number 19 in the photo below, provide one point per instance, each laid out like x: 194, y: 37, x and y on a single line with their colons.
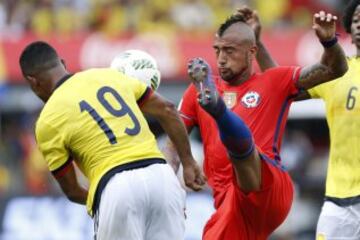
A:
x: 342, y: 100
x: 94, y: 118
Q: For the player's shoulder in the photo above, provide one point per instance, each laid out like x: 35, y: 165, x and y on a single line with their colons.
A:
x: 44, y: 123
x: 59, y: 107
x: 54, y: 112
x: 105, y: 76
x: 354, y: 64
x: 281, y: 70
x: 191, y: 89
x: 189, y: 95
x: 98, y: 72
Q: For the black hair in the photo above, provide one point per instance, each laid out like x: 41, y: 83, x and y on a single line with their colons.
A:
x: 38, y: 57
x: 228, y: 22
x: 348, y: 14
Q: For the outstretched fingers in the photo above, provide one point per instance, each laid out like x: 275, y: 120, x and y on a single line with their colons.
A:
x: 324, y: 25
x: 322, y: 19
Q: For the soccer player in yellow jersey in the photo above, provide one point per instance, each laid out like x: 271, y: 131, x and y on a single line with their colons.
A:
x: 94, y: 119
x: 340, y: 214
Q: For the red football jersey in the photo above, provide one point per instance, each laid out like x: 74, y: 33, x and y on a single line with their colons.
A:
x: 262, y: 101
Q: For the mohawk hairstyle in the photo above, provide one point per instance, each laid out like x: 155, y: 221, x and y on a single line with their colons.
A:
x: 348, y: 14
x: 230, y: 21
x: 38, y: 57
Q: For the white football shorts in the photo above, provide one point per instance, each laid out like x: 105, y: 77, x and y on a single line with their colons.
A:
x: 142, y: 204
x: 338, y: 223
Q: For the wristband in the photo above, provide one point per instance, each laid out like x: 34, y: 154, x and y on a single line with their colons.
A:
x: 331, y: 42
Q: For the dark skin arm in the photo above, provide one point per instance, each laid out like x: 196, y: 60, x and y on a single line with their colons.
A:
x: 303, y: 95
x: 170, y: 152
x: 263, y: 57
x: 332, y: 65
x: 71, y: 187
x: 169, y: 118
x: 333, y: 61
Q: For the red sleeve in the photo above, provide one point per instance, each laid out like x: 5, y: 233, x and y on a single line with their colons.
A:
x: 286, y: 79
x: 188, y: 106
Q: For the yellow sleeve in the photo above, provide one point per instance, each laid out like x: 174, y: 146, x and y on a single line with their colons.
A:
x: 139, y: 88
x: 52, y: 145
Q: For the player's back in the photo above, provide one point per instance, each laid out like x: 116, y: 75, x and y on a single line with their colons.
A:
x: 97, y: 118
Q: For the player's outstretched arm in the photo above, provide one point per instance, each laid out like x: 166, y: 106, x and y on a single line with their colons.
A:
x: 169, y: 118
x: 71, y: 187
x: 263, y: 56
x: 333, y: 61
x: 170, y: 153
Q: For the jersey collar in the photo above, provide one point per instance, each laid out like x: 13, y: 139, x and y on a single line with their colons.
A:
x: 62, y: 80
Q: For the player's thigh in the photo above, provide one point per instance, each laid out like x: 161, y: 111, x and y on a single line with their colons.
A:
x: 248, y: 171
x: 167, y: 219
x: 268, y: 207
x: 122, y: 209
x: 336, y: 222
x: 253, y: 214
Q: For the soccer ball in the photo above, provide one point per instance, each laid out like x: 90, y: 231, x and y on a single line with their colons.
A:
x: 138, y: 64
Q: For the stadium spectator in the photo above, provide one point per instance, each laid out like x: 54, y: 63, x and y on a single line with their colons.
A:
x: 42, y: 21
x: 116, y: 17
x: 189, y: 15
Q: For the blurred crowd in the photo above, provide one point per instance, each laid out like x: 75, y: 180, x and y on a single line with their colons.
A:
x: 115, y: 17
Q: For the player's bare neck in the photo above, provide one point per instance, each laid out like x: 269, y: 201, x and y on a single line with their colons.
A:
x: 57, y: 74
x: 241, y: 79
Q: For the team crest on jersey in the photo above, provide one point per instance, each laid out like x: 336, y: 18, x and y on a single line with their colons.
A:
x: 250, y: 99
x: 230, y: 99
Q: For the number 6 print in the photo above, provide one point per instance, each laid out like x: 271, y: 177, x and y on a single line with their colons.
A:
x: 351, y: 100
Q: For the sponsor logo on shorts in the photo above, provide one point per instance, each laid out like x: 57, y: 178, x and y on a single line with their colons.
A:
x: 251, y: 99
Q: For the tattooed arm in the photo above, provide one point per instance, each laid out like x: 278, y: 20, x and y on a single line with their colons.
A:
x: 332, y: 65
x: 333, y: 61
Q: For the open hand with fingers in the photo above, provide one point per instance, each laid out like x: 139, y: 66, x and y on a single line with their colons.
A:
x: 324, y: 25
x: 251, y: 17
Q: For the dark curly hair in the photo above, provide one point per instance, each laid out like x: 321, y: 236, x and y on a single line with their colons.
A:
x: 348, y: 14
x: 228, y: 22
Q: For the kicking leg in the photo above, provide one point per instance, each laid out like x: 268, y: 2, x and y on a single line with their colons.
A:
x: 234, y: 133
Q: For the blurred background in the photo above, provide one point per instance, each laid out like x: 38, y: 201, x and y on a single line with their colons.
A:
x: 89, y: 33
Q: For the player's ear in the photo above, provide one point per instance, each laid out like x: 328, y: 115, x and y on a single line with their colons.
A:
x: 32, y: 80
x: 253, y: 49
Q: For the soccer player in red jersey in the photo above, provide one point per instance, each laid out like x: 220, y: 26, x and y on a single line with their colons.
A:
x: 241, y: 116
